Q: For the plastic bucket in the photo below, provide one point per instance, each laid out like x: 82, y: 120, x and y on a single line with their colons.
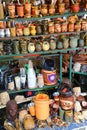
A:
x: 50, y: 77
x: 42, y: 109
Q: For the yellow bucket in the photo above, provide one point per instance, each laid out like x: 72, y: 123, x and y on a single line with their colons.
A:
x: 42, y: 109
x: 42, y: 106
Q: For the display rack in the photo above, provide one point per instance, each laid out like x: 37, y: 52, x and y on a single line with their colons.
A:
x: 56, y: 52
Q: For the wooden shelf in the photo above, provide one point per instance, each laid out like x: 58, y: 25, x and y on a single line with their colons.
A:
x: 66, y: 14
x: 25, y: 100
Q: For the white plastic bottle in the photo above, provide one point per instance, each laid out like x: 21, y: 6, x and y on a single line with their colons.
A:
x: 31, y: 76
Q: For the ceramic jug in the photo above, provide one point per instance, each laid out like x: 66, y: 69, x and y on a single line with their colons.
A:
x: 16, y: 47
x: 23, y: 45
x: 59, y: 44
x: 65, y: 43
x: 39, y: 29
x: 26, y: 31
x: 45, y: 45
x: 52, y: 44
x: 81, y: 42
x: 73, y: 42
x: 38, y: 46
x: 31, y: 47
x: 33, y: 30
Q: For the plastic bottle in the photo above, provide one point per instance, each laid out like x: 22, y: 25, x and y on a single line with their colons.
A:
x: 31, y: 76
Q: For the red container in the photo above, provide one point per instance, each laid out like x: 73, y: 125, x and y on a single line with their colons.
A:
x: 75, y: 7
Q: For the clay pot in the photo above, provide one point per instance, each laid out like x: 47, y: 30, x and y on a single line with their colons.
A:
x: 75, y: 7
x: 65, y: 43
x: 26, y: 31
x: 51, y: 27
x: 35, y: 11
x: 11, y: 10
x: 33, y: 30
x: 38, y: 47
x: 44, y: 10
x: 71, y: 27
x: 61, y: 8
x: 23, y: 45
x: 51, y: 9
x: 31, y: 47
x: 28, y: 122
x: 53, y: 44
x: 60, y: 45
x: 20, y: 10
x: 27, y: 8
x: 45, y: 46
x: 73, y: 42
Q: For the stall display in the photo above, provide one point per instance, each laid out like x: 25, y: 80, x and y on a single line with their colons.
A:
x: 42, y: 29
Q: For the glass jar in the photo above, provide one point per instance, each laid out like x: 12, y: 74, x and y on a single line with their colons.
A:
x: 20, y: 10
x: 52, y: 9
x: 77, y: 26
x: 61, y: 8
x: 57, y: 27
x: 51, y: 27
x: 70, y: 27
x: 44, y: 9
x: 11, y: 10
x: 35, y: 11
x: 84, y: 25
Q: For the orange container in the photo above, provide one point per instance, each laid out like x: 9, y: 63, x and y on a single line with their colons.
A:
x: 31, y: 108
x: 20, y: 10
x: 42, y: 108
x: 50, y: 77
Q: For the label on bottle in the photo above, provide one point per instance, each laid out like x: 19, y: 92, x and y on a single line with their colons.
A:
x: 23, y: 79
